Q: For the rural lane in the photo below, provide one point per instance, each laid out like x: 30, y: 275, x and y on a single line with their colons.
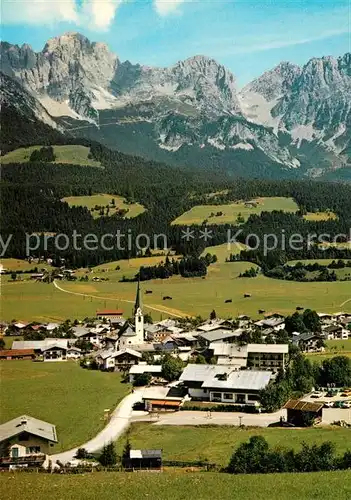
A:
x: 164, y: 310
x: 118, y: 423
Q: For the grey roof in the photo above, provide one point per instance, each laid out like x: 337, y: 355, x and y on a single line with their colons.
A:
x: 231, y: 350
x: 39, y: 344
x: 235, y: 379
x: 80, y: 331
x: 30, y: 425
x: 111, y: 353
x: 145, y: 454
x: 240, y: 379
x: 220, y: 334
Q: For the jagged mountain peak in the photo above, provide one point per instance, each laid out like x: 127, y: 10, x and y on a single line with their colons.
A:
x: 275, y: 82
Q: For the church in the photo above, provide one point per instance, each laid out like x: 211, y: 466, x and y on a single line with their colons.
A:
x: 133, y: 334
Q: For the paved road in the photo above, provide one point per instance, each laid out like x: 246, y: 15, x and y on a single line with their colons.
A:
x: 118, y: 423
x: 217, y: 418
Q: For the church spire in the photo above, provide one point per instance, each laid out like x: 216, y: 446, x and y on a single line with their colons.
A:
x: 137, y: 304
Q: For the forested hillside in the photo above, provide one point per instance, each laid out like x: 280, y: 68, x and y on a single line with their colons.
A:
x: 32, y: 193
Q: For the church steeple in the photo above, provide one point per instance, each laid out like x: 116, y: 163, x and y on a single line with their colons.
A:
x: 137, y: 304
x: 139, y: 318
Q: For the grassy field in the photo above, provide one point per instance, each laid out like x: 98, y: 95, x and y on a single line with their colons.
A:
x: 333, y: 348
x: 223, y: 251
x: 75, y: 154
x: 90, y: 202
x: 61, y: 393
x: 231, y: 211
x: 216, y: 443
x: 320, y: 216
x: 190, y: 296
x: 178, y: 486
x: 20, y: 265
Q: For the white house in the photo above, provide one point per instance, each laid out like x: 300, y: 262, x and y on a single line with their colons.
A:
x: 26, y: 441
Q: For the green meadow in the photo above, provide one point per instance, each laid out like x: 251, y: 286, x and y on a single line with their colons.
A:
x: 216, y: 443
x: 178, y: 485
x: 75, y: 154
x: 28, y: 300
x: 90, y: 202
x: 63, y: 394
x: 229, y: 213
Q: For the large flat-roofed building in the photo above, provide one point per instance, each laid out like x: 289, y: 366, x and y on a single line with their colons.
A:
x: 224, y: 384
x: 270, y: 357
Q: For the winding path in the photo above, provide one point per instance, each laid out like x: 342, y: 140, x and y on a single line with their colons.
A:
x: 165, y: 310
x: 118, y: 423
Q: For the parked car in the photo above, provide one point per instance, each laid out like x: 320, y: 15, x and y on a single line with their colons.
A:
x: 329, y: 404
x: 338, y: 404
x: 346, y: 404
x: 316, y: 395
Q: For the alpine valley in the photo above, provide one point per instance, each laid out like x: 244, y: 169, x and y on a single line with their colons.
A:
x: 291, y: 122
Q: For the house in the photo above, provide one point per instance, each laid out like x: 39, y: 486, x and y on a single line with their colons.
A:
x: 144, y: 368
x: 26, y: 441
x: 49, y: 349
x: 309, y: 342
x: 335, y: 332
x: 224, y: 384
x: 54, y: 352
x: 109, y: 314
x: 17, y: 354
x: 118, y: 360
x: 219, y: 335
x: 73, y: 352
x: 143, y: 459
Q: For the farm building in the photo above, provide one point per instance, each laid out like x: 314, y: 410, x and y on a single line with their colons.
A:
x: 143, y: 459
x: 302, y: 413
x: 17, y: 354
x: 109, y: 314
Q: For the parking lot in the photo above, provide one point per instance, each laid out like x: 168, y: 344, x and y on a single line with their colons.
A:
x: 332, y: 398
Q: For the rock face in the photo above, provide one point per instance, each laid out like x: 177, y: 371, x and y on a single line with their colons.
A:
x: 194, y: 103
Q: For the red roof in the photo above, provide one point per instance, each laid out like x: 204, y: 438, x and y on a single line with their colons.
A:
x: 16, y: 352
x: 110, y: 312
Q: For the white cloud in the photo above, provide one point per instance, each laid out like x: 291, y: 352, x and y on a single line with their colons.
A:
x: 166, y: 7
x: 96, y: 14
x: 101, y: 12
x: 38, y: 11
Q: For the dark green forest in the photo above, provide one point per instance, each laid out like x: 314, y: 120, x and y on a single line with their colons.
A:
x: 31, y: 196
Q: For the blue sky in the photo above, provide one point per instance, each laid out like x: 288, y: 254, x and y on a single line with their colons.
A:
x: 247, y: 36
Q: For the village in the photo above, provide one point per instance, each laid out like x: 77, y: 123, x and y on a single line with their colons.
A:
x: 179, y: 370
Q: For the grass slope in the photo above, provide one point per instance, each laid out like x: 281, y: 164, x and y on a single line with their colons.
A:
x: 178, y: 486
x: 104, y: 200
x: 190, y: 296
x: 75, y: 154
x: 231, y: 211
x: 320, y: 216
x: 61, y: 393
x: 216, y: 443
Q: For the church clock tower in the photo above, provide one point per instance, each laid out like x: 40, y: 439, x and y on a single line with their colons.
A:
x: 139, y: 318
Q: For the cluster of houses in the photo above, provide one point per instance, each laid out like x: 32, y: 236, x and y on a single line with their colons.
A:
x: 238, y: 369
x: 333, y: 327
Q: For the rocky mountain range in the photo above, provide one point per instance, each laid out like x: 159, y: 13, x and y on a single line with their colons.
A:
x: 293, y: 119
